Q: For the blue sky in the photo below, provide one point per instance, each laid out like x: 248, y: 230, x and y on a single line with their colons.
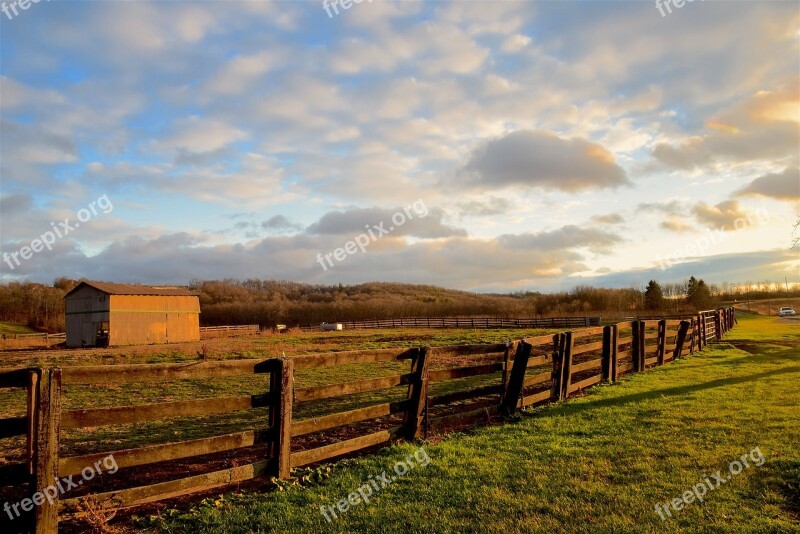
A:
x: 551, y: 143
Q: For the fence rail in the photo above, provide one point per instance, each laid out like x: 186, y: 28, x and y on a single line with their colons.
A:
x: 487, y: 380
x: 472, y: 322
x: 37, y: 335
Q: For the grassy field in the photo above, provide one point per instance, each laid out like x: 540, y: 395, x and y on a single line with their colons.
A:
x: 597, y: 463
x: 15, y: 328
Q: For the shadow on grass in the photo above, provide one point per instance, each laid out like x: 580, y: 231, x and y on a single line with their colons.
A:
x: 665, y: 392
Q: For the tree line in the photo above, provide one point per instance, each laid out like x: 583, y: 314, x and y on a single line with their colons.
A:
x: 270, y: 302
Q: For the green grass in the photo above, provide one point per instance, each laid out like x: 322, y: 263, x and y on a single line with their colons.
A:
x: 599, y: 463
x: 15, y: 328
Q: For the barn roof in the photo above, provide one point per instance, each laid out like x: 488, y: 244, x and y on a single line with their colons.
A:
x: 134, y: 289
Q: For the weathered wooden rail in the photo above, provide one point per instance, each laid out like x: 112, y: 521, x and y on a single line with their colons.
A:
x: 498, y: 379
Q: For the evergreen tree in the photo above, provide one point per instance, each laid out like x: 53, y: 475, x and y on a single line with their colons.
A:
x: 653, y: 296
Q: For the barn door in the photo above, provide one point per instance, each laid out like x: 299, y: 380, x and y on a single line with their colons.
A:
x: 88, y: 335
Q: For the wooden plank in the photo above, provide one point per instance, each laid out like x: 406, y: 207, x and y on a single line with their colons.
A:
x: 174, y: 488
x: 454, y: 351
x: 441, y: 375
x: 585, y: 366
x: 517, y: 379
x: 636, y: 347
x: 13, y: 426
x: 73, y: 465
x: 417, y: 395
x: 558, y: 366
x: 447, y: 398
x: 317, y: 424
x: 582, y: 349
x: 511, y: 348
x: 149, y: 412
x: 651, y: 335
x: 605, y: 359
x: 538, y: 379
x: 578, y: 334
x: 350, y: 388
x: 651, y: 361
x: 332, y: 359
x: 30, y: 416
x: 464, y: 417
x: 47, y: 440
x: 539, y: 360
x: 567, y: 365
x: 280, y: 416
x: 343, y: 447
x: 536, y: 398
x: 625, y: 340
x: 624, y: 367
x: 679, y: 342
x: 624, y: 354
x: 586, y: 383
x: 160, y: 372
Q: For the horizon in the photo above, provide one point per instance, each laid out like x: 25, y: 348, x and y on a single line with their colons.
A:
x: 485, y: 147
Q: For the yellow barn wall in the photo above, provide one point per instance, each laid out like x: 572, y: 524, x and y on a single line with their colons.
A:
x: 139, y: 319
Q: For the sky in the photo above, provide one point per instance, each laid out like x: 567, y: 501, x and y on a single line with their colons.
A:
x: 487, y: 146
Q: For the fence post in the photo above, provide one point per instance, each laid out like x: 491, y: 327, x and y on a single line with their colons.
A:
x: 636, y: 346
x: 558, y: 361
x: 679, y: 341
x: 280, y: 415
x: 32, y: 413
x: 605, y: 364
x: 47, y: 440
x: 517, y: 379
x: 417, y: 394
x: 566, y: 364
x: 701, y: 326
x: 662, y: 341
x: 614, y: 352
x: 511, y: 346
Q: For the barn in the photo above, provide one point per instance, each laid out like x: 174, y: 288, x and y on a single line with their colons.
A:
x: 100, y: 314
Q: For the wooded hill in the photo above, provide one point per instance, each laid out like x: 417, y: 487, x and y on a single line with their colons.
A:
x: 268, y: 302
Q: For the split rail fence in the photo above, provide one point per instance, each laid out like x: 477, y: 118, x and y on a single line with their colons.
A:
x: 498, y: 379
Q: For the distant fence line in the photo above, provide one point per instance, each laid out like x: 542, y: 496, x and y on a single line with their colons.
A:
x: 42, y: 335
x: 230, y: 330
x: 523, y: 373
x: 470, y: 322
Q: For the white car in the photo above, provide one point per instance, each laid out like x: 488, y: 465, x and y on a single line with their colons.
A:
x: 786, y: 311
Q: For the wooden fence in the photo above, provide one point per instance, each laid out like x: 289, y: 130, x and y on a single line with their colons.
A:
x: 497, y: 379
x: 228, y: 331
x: 474, y: 322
